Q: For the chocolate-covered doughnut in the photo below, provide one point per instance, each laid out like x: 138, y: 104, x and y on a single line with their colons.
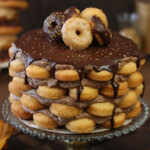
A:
x: 72, y: 12
x: 53, y: 24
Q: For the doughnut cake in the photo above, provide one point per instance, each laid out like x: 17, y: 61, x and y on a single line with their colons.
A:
x: 9, y: 24
x: 75, y: 73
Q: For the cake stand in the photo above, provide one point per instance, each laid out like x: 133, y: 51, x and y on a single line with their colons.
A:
x: 76, y: 141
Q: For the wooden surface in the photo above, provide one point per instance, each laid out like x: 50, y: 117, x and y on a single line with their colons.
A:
x: 138, y: 140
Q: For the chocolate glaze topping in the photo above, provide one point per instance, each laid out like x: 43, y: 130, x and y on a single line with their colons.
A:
x: 101, y: 30
x: 34, y: 44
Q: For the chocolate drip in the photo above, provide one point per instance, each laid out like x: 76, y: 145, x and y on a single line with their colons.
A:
x: 115, y: 86
x: 53, y: 64
x: 80, y: 87
x: 12, y: 58
x: 112, y: 119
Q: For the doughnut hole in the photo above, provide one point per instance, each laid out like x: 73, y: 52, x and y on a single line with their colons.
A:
x: 16, y: 65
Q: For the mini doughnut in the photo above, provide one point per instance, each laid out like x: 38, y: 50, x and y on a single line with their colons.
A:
x: 103, y: 75
x: 19, y: 112
x: 135, y: 79
x: 76, y: 33
x: 44, y: 121
x: 67, y: 75
x: 10, y: 51
x: 37, y: 72
x: 101, y: 109
x: 53, y: 24
x: 72, y: 12
x: 128, y: 68
x: 129, y: 99
x: 136, y: 111
x: 139, y: 89
x: 89, y: 12
x: 12, y: 88
x: 16, y: 65
x: 87, y: 93
x: 101, y: 32
x: 83, y: 125
x: 11, y: 72
x: 109, y: 91
x: 31, y: 102
x: 51, y: 93
x: 118, y: 121
x: 64, y: 111
x: 18, y: 85
x: 14, y: 4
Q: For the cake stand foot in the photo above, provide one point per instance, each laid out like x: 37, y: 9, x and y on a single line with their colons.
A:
x: 76, y: 145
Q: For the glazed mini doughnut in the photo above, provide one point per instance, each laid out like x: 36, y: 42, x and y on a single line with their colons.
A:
x: 101, y: 32
x: 129, y: 99
x: 119, y: 119
x: 101, y: 109
x: 136, y: 111
x: 139, y: 89
x: 10, y: 51
x: 109, y: 91
x: 51, y: 93
x: 19, y: 112
x: 127, y: 69
x: 16, y: 65
x: 83, y: 125
x: 18, y: 85
x: 11, y: 72
x: 67, y: 75
x: 14, y: 4
x: 44, y: 121
x: 89, y: 12
x: 76, y: 33
x: 37, y: 72
x: 103, y: 75
x: 64, y: 111
x: 72, y: 12
x: 31, y: 102
x: 87, y: 93
x: 10, y: 29
x: 135, y: 79
x: 53, y: 24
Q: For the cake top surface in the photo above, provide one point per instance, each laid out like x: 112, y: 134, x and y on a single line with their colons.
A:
x: 35, y: 45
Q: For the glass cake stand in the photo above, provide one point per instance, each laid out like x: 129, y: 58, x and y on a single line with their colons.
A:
x: 76, y: 141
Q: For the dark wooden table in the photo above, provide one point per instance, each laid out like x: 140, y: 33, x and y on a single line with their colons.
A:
x: 138, y: 140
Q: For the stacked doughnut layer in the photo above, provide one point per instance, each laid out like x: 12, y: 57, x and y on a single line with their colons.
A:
x: 58, y: 96
x: 9, y: 26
